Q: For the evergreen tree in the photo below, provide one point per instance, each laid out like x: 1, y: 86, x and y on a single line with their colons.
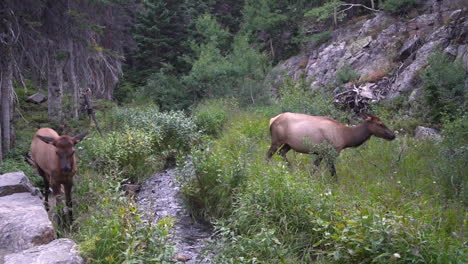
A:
x: 160, y: 34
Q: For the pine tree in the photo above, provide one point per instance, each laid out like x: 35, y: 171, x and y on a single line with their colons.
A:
x: 160, y: 34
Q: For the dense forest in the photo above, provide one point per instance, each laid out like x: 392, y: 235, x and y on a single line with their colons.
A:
x: 191, y: 86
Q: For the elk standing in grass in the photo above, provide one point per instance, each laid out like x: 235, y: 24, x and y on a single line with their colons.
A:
x: 54, y: 158
x: 297, y: 131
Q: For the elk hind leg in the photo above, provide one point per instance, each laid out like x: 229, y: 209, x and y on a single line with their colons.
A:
x: 274, y: 147
x: 46, y: 187
x: 283, y: 151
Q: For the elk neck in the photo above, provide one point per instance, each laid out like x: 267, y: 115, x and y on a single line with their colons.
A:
x: 356, y: 136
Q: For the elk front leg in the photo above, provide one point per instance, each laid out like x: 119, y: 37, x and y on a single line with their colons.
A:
x: 68, y: 198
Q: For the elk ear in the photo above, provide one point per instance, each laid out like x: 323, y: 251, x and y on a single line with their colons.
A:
x: 79, y: 137
x: 366, y: 117
x: 47, y: 140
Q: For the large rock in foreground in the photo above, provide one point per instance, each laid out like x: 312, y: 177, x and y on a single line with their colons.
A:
x: 59, y: 251
x: 15, y: 182
x: 23, y: 222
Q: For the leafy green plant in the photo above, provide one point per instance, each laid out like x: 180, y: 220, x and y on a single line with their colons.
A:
x: 452, y: 172
x: 444, y: 86
x: 398, y: 6
x: 211, y: 116
x: 129, y: 152
x: 346, y: 74
x: 390, y: 208
x: 326, y: 11
x: 167, y: 91
x: 296, y: 96
x: 172, y: 131
x: 111, y: 230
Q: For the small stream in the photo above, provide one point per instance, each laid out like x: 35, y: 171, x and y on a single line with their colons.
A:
x: 160, y: 196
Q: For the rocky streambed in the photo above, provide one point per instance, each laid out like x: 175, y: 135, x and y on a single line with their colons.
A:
x: 160, y: 197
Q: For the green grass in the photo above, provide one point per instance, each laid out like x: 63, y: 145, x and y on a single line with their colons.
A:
x: 389, y: 205
x: 108, y: 227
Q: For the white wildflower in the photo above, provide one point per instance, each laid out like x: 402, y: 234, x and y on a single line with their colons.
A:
x: 396, y: 255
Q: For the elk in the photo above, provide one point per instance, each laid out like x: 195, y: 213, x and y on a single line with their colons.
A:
x: 297, y: 131
x: 54, y: 158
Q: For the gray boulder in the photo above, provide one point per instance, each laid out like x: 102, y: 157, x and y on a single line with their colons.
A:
x: 36, y: 98
x: 23, y: 222
x: 426, y: 133
x: 15, y: 182
x: 60, y: 251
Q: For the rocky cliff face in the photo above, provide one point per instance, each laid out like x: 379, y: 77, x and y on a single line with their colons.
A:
x: 388, y: 52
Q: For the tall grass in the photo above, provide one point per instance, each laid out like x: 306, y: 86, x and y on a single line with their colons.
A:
x: 389, y: 205
x: 109, y: 228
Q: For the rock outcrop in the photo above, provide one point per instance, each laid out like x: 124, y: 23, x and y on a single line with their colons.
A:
x: 23, y: 222
x: 56, y: 252
x: 26, y: 233
x: 387, y: 52
x: 36, y: 98
x: 426, y: 133
x: 16, y: 182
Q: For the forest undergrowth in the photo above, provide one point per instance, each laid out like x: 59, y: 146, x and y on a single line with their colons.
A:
x: 402, y: 201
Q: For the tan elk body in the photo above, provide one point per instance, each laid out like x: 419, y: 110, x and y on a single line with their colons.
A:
x: 54, y: 158
x: 301, y: 132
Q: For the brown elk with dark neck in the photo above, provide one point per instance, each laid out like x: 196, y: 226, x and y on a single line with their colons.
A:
x: 302, y: 133
x: 54, y: 158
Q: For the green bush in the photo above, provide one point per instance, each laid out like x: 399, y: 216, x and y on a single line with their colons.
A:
x: 346, y: 74
x: 172, y: 132
x: 14, y: 165
x: 320, y: 38
x: 297, y: 97
x: 129, y: 152
x: 452, y: 172
x: 211, y: 115
x: 110, y: 228
x: 144, y: 138
x: 389, y: 209
x: 444, y: 86
x: 398, y: 6
x: 220, y: 71
x: 167, y: 91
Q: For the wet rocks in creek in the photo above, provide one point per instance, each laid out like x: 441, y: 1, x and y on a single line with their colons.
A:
x: 159, y: 197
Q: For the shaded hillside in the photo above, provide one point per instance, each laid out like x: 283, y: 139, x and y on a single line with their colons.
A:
x: 385, y: 53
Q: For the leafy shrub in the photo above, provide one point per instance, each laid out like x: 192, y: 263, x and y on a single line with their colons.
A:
x: 211, y: 116
x: 219, y: 71
x: 296, y: 96
x: 381, y: 211
x: 452, y: 172
x: 172, y: 132
x: 111, y: 230
x: 326, y: 11
x: 14, y: 165
x: 320, y: 38
x: 144, y: 135
x: 125, y: 92
x: 398, y: 6
x: 345, y: 75
x: 129, y: 152
x: 167, y: 91
x: 444, y: 86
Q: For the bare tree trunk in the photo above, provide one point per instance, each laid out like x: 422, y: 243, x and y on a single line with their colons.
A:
x: 72, y: 78
x: 7, y: 102
x: 55, y: 87
x: 1, y: 126
x: 335, y: 16
x: 372, y: 4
